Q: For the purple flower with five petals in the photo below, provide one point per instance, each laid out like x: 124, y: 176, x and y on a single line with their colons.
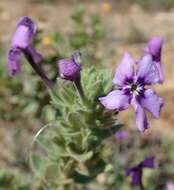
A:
x: 131, y: 89
x: 25, y: 30
x: 154, y: 48
x: 137, y: 171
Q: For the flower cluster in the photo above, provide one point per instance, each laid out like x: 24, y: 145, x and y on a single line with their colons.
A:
x: 131, y: 84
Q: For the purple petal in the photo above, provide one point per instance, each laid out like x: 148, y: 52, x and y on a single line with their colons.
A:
x: 141, y: 118
x: 26, y: 21
x: 68, y: 69
x: 148, y: 162
x: 24, y: 32
x: 160, y: 71
x: 125, y: 71
x: 147, y: 71
x: 37, y: 57
x: 152, y: 102
x: 129, y: 171
x: 21, y: 37
x: 154, y: 47
x: 137, y: 177
x: 170, y: 186
x: 136, y: 174
x: 14, y: 61
x: 116, y: 100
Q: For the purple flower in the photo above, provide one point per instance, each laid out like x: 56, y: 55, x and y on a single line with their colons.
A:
x: 170, y: 186
x: 137, y: 171
x: 131, y: 89
x: 154, y: 48
x: 25, y: 30
x: 69, y: 69
x: 122, y: 134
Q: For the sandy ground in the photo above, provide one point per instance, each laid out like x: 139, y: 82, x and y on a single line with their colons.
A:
x: 55, y: 17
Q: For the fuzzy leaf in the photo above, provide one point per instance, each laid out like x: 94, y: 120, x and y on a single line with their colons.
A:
x: 107, y: 132
x: 80, y: 157
x: 80, y: 178
x: 38, y: 163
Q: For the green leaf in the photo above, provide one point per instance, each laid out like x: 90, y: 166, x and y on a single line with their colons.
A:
x: 38, y: 163
x: 80, y: 178
x: 44, y: 141
x: 51, y: 173
x: 75, y: 120
x: 98, y: 168
x: 107, y: 132
x: 6, y: 178
x: 54, y: 97
x: 80, y: 157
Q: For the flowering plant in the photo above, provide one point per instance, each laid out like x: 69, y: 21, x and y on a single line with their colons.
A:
x: 74, y: 150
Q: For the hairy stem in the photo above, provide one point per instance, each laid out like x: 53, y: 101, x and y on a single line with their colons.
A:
x: 142, y: 187
x: 38, y: 70
x: 80, y: 89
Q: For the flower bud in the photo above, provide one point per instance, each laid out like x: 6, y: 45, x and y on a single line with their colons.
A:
x: 69, y: 69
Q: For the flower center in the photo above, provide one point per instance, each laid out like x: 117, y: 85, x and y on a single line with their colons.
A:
x: 134, y: 87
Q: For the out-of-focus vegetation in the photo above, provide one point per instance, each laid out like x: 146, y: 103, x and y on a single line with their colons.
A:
x: 136, y: 35
x: 148, y: 5
x: 125, y: 153
x: 155, y: 4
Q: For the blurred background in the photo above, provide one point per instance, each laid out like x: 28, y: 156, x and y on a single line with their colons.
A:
x: 103, y: 31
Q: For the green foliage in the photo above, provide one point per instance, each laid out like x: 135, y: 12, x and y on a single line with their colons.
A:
x: 42, y: 1
x: 9, y: 181
x: 152, y: 5
x: 86, y: 35
x: 73, y: 145
x: 147, y: 5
